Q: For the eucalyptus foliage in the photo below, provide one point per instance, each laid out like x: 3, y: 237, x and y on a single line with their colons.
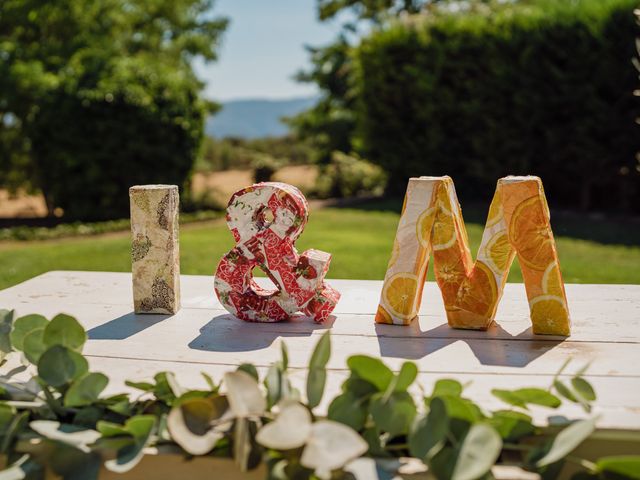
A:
x: 61, y: 421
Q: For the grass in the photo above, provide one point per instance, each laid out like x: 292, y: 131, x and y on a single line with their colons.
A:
x: 359, y: 239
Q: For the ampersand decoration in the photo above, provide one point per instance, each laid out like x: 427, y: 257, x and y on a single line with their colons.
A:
x: 266, y: 219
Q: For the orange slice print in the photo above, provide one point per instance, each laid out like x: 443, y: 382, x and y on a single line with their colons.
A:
x: 531, y: 234
x: 399, y: 295
x: 479, y: 292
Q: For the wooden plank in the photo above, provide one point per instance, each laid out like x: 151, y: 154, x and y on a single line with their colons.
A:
x: 359, y: 296
x: 202, y: 336
x: 603, y: 313
x: 205, y: 337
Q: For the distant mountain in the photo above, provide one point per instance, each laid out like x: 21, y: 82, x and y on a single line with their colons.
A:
x: 255, y: 118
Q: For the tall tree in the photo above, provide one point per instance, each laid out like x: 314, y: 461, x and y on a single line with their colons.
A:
x: 330, y: 124
x: 100, y: 92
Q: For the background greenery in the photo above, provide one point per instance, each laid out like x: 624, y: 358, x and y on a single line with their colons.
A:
x: 360, y: 241
x: 543, y: 88
x: 98, y: 96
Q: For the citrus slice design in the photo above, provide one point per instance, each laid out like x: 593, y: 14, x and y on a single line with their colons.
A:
x: 549, y: 315
x: 531, y: 235
x: 399, y: 295
x: 496, y: 212
x: 443, y: 235
x: 552, y: 281
x: 382, y: 316
x: 479, y: 292
x: 424, y: 226
x: 395, y: 253
x: 449, y: 273
x: 498, y: 252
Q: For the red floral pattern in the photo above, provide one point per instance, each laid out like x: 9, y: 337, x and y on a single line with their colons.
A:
x: 270, y: 244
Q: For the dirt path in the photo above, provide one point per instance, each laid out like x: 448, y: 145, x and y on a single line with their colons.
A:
x: 219, y: 185
x: 21, y: 205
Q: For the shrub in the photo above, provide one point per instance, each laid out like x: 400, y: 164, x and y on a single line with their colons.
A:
x: 264, y: 167
x: 229, y: 152
x: 97, y: 96
x: 89, y: 152
x: 541, y: 88
x: 350, y: 176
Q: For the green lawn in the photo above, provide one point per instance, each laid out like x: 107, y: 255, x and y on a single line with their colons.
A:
x: 359, y: 239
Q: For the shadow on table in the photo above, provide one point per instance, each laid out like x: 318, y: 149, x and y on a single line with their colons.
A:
x: 226, y: 333
x: 125, y: 326
x: 495, y: 347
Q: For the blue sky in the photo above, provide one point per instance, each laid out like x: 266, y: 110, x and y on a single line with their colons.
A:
x: 263, y: 47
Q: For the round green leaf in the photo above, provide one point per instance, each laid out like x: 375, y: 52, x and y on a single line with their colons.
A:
x: 6, y: 323
x: 564, y: 391
x: 583, y: 388
x: 128, y: 453
x: 190, y: 424
x: 567, y: 440
x: 525, y: 396
x: 65, y: 330
x: 461, y: 408
x: 86, y: 389
x: 110, y: 429
x: 250, y: 369
x: 243, y: 392
x: 512, y: 425
x: 372, y: 370
x: 72, y: 463
x: 406, y: 376
x: 7, y: 414
x: 22, y: 326
x: 428, y: 432
x: 447, y: 386
x: 140, y: 426
x: 33, y: 345
x: 358, y: 387
x: 394, y: 415
x: 289, y: 430
x: 331, y: 445
x: 479, y: 451
x: 126, y: 441
x: 59, y: 366
x: 625, y: 465
x: 346, y: 408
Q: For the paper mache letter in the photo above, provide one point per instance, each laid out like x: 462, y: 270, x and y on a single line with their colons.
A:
x: 155, y: 252
x: 266, y: 219
x: 517, y: 224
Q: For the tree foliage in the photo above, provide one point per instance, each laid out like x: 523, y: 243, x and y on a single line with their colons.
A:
x: 102, y: 94
x: 545, y: 89
x: 329, y: 125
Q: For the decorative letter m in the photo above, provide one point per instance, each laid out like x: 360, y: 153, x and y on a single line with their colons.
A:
x: 517, y: 224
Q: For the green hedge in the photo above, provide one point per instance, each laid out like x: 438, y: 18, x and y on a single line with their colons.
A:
x: 89, y: 150
x: 544, y: 89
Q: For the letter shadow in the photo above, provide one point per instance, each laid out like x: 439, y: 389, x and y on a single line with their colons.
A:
x: 495, y: 346
x: 226, y: 333
x: 125, y: 326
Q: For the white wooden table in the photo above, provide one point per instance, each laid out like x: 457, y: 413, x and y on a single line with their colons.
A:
x: 204, y: 337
